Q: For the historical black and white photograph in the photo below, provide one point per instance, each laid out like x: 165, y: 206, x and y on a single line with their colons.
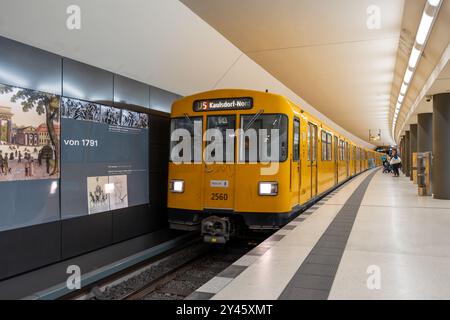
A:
x: 98, y: 194
x: 130, y: 118
x: 119, y: 192
x: 110, y: 115
x: 73, y: 108
x: 143, y: 121
x: 93, y: 112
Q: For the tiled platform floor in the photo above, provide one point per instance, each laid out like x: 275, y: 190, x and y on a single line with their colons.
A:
x: 398, y: 248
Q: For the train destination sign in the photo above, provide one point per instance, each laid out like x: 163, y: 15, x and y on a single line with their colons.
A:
x: 223, y: 104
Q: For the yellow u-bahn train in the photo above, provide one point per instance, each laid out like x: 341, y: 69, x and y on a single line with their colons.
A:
x: 276, y: 159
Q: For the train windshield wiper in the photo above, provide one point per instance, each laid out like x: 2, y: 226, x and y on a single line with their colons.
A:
x: 253, y: 119
x: 187, y: 117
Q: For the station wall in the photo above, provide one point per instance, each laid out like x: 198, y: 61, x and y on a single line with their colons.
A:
x: 35, y: 228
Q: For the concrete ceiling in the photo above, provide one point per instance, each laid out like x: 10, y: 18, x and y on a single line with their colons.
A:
x: 336, y: 66
x: 322, y: 50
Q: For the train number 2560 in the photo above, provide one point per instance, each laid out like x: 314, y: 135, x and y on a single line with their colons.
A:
x: 219, y: 196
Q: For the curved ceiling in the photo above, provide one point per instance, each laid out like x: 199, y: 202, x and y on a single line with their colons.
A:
x: 432, y: 75
x: 323, y: 50
x: 335, y: 66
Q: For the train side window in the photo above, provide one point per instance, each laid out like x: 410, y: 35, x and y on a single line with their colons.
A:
x: 346, y: 151
x: 309, y: 142
x: 324, y: 146
x: 343, y: 150
x: 314, y: 142
x: 296, y: 145
x: 329, y: 148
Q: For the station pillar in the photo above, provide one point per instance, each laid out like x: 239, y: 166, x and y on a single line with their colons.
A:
x: 413, y: 149
x: 407, y: 154
x: 401, y: 150
x: 441, y: 146
x: 425, y: 132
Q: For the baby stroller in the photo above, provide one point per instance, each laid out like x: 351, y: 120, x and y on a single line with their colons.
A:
x: 387, y: 168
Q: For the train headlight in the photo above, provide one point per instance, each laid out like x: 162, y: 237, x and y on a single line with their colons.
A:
x: 176, y: 186
x: 268, y: 188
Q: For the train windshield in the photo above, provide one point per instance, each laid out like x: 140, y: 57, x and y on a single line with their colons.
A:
x: 225, y: 127
x: 260, y: 134
x: 181, y: 128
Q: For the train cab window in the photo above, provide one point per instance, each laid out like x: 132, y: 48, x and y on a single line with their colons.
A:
x: 296, y: 146
x: 226, y: 126
x: 186, y: 124
x: 256, y: 139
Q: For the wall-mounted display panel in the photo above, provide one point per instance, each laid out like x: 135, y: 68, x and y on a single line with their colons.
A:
x: 29, y: 157
x: 104, y: 158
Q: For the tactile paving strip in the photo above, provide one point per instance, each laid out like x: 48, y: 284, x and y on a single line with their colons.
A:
x: 315, y: 276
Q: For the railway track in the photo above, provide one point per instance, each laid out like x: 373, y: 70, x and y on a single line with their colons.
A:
x: 185, y: 279
x: 172, y: 276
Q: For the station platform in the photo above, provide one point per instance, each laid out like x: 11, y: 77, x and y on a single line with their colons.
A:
x: 373, y: 238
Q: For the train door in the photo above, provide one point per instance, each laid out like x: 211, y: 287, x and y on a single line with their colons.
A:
x: 336, y: 160
x: 295, y: 163
x: 354, y: 160
x: 312, y: 133
x: 219, y: 171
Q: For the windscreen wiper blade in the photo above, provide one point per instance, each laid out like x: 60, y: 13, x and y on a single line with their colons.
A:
x: 253, y: 119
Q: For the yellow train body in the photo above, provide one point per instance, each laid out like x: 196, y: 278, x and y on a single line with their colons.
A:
x: 314, y: 160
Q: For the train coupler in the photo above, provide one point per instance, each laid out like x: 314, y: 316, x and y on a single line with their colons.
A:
x: 216, y: 229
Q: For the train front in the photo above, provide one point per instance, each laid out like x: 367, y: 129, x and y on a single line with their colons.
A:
x: 229, y: 168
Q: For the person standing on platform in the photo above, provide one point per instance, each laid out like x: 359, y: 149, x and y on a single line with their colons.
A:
x: 1, y: 162
x: 395, y: 162
x: 5, y: 164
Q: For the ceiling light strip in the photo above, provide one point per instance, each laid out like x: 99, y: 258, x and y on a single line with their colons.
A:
x: 429, y: 15
x: 445, y: 59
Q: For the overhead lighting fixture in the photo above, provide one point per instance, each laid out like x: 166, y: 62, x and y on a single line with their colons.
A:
x: 403, y: 89
x: 424, y: 28
x: 434, y: 3
x: 408, y: 75
x: 414, y: 58
x: 429, y: 15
